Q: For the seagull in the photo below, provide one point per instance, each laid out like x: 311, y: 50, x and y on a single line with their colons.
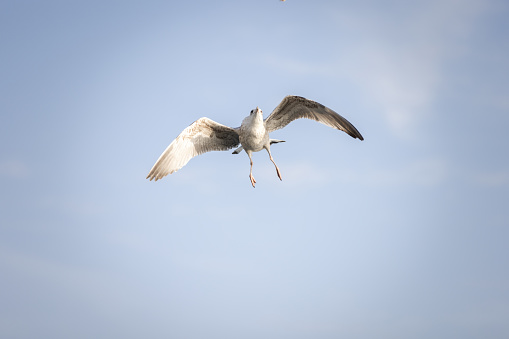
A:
x: 205, y: 135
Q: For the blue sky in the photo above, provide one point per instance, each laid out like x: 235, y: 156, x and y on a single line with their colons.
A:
x: 402, y: 235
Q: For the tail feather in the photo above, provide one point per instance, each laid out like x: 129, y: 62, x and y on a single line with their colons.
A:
x: 272, y: 141
x: 238, y: 150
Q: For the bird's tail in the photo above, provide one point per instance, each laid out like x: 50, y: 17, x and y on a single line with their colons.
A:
x: 272, y: 141
x: 238, y: 150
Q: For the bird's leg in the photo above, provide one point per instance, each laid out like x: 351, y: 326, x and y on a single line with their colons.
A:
x: 253, y: 181
x: 277, y: 168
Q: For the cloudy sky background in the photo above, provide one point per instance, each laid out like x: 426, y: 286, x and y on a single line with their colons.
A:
x: 402, y: 235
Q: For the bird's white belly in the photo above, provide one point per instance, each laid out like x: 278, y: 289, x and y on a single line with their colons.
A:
x: 254, y: 141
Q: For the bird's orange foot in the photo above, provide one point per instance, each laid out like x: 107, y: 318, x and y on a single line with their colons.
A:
x: 253, y: 181
x: 278, y: 173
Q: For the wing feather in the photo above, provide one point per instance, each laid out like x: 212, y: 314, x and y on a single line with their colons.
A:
x: 295, y: 107
x: 203, y: 135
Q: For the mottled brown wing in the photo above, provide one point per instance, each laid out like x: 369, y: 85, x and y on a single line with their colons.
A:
x: 203, y: 135
x: 295, y: 107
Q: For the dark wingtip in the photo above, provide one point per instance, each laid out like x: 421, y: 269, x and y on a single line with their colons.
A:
x: 355, y: 134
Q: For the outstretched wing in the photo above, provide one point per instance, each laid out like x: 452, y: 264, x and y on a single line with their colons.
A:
x: 295, y: 107
x: 203, y: 135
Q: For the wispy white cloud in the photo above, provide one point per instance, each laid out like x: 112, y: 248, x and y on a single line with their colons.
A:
x: 423, y: 172
x: 403, y: 69
x: 426, y: 172
x: 397, y: 59
x: 305, y: 174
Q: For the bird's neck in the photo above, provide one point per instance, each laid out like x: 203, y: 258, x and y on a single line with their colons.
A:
x: 257, y: 120
x: 254, y: 121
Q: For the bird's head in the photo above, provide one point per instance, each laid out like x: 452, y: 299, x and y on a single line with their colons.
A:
x: 256, y: 111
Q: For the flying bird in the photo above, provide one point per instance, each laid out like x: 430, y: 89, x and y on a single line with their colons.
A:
x: 205, y: 135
